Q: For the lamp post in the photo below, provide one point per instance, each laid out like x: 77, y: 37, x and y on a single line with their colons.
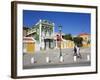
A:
x: 60, y: 29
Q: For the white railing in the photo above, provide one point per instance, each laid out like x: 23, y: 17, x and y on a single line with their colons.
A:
x: 31, y: 31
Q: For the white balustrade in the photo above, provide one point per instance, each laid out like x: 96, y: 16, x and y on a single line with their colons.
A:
x: 61, y: 59
x: 32, y: 60
x: 75, y: 58
x: 47, y: 59
x: 88, y: 57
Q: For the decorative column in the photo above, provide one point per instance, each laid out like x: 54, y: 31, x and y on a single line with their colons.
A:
x: 53, y: 29
x: 40, y: 26
x: 53, y: 35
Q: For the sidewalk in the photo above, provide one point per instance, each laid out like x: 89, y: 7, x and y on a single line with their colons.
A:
x: 39, y: 59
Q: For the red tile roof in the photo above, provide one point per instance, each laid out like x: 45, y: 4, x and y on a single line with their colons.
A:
x: 28, y: 39
x: 83, y: 34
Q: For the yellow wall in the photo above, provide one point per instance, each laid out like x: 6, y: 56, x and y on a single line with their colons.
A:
x: 30, y: 47
x: 66, y: 44
x: 70, y: 44
x: 86, y: 45
x: 85, y: 38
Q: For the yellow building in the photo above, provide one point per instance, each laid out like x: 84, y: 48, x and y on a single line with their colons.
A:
x: 70, y: 44
x: 86, y: 39
x: 28, y: 45
x: 64, y: 43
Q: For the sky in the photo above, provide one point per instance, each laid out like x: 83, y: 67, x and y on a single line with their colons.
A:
x: 71, y: 22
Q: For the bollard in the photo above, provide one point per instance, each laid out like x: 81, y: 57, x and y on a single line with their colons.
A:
x: 47, y: 59
x: 32, y: 60
x: 74, y: 58
x: 61, y: 59
x: 88, y: 57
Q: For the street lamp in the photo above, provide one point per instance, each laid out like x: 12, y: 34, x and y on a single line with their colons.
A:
x: 60, y: 29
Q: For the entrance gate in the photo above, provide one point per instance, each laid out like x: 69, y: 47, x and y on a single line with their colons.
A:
x: 49, y: 43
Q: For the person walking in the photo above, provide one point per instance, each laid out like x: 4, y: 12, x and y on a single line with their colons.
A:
x: 75, y: 51
x: 78, y: 52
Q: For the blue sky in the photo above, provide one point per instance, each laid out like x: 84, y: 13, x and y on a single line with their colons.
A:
x: 73, y: 23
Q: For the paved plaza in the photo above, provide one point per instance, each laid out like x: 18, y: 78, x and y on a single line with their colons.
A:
x: 51, y: 58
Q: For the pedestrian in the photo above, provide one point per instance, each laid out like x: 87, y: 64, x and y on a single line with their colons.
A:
x: 75, y: 51
x: 78, y: 52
